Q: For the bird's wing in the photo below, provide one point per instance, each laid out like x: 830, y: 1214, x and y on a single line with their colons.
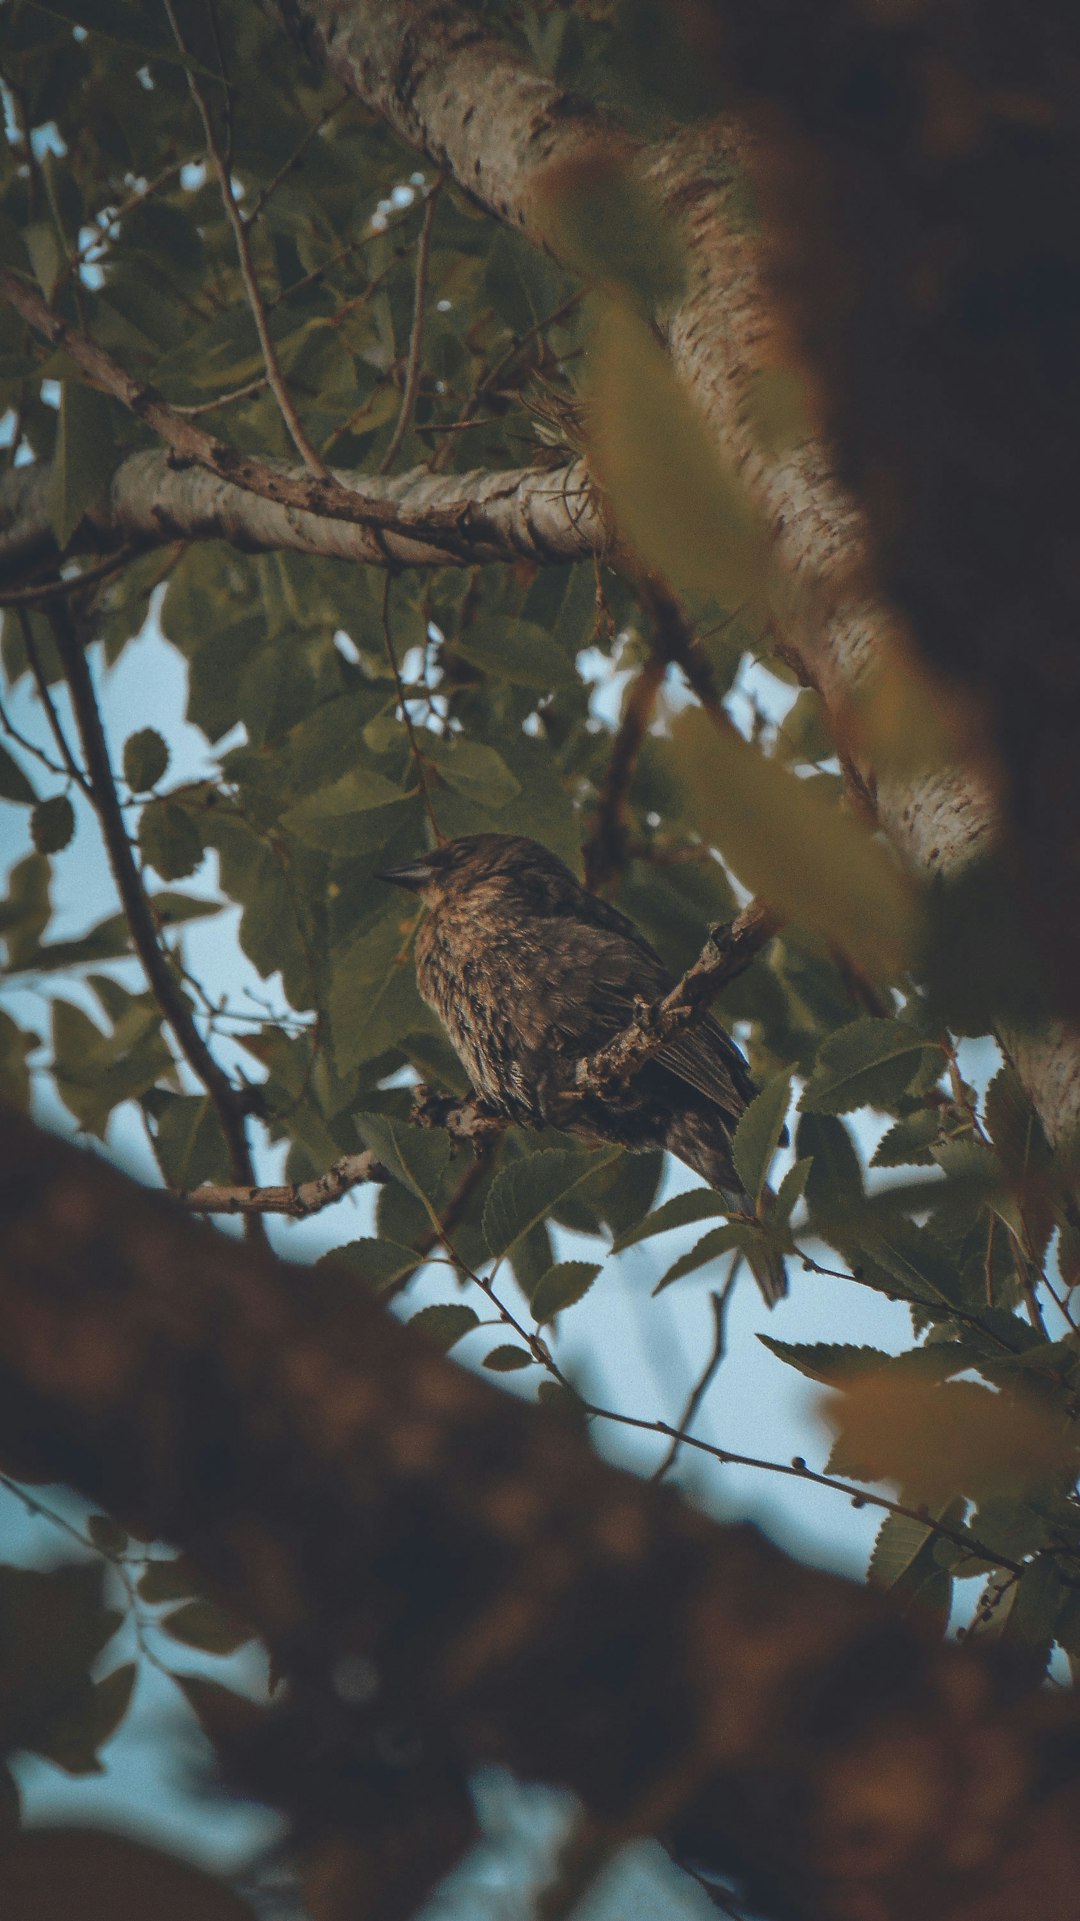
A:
x: 615, y: 965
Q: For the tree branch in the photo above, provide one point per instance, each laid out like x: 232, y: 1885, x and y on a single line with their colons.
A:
x: 241, y: 237
x: 230, y: 1104
x: 545, y: 515
x: 371, y: 1502
x: 438, y: 528
x: 411, y: 385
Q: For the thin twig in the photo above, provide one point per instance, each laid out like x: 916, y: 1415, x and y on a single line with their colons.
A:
x: 411, y: 386
x: 44, y: 694
x: 605, y: 850
x: 230, y: 1104
x: 28, y: 746
x: 247, y: 392
x: 708, y: 1373
x: 69, y: 584
x: 298, y: 1199
x: 115, y: 218
x: 414, y: 746
x: 300, y: 440
x: 294, y: 159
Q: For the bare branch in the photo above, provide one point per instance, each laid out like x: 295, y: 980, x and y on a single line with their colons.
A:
x: 545, y: 515
x: 230, y: 1103
x: 247, y: 266
x: 298, y: 1199
x: 442, y: 528
x: 411, y: 386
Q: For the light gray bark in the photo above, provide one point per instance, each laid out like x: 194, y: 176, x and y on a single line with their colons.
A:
x: 533, y: 513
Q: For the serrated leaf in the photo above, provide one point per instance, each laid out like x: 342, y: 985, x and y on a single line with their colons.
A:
x: 202, y: 1624
x: 834, y: 1181
x: 1014, y: 1126
x: 756, y: 1137
x: 14, y: 784
x: 907, y: 1142
x: 789, y: 1194
x: 682, y: 1210
x: 415, y: 1156
x: 524, y: 1193
x: 826, y: 1361
x: 52, y: 824
x: 788, y: 843
x: 868, y: 1063
x: 564, y: 1284
x: 508, y: 1359
x: 83, y: 458
x: 380, y: 1262
x: 518, y: 651
x: 940, y: 1439
x: 900, y: 1540
x: 146, y: 759
x: 169, y: 839
x: 446, y: 1322
x: 721, y: 1240
x: 362, y: 790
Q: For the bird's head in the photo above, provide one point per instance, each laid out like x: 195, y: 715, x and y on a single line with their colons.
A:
x: 478, y: 859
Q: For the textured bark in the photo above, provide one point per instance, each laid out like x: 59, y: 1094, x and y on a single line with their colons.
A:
x: 530, y: 513
x: 449, y: 87
x: 378, y: 1513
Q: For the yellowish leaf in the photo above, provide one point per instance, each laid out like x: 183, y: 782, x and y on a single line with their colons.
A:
x: 937, y: 1439
x: 790, y: 844
x: 684, y: 510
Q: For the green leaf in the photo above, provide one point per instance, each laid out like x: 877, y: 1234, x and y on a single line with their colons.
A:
x: 518, y: 651
x: 1014, y: 1126
x: 684, y: 509
x: 415, y: 1156
x: 721, y: 1240
x: 169, y: 840
x: 320, y: 818
x: 834, y: 1182
x: 789, y: 1194
x: 189, y: 1145
x: 755, y: 1139
x: 561, y: 1287
x: 52, y: 824
x: 827, y: 1361
x: 15, y: 1046
x: 478, y: 772
x: 83, y: 459
x: 508, y: 1359
x: 146, y: 759
x: 868, y: 1063
x: 790, y: 844
x: 900, y: 1539
x: 380, y: 1262
x: 524, y: 1193
x: 204, y: 1625
x: 682, y: 1210
x: 908, y: 1141
x: 14, y: 784
x: 446, y: 1322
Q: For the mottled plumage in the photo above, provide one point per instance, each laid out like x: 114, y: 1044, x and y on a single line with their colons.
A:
x: 528, y: 973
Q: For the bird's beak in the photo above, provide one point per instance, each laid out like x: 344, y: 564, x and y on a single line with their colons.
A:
x: 414, y: 876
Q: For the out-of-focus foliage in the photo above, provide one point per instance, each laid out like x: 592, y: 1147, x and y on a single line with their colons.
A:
x: 318, y: 786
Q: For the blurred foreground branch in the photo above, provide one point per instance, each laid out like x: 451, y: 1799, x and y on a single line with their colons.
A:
x: 374, y: 1510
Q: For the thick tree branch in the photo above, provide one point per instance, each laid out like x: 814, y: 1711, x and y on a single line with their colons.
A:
x: 370, y: 1507
x: 547, y: 515
x: 445, y: 528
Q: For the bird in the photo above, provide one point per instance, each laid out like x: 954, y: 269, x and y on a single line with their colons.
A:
x: 528, y: 973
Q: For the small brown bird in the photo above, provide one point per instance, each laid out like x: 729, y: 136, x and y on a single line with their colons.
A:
x: 528, y: 973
